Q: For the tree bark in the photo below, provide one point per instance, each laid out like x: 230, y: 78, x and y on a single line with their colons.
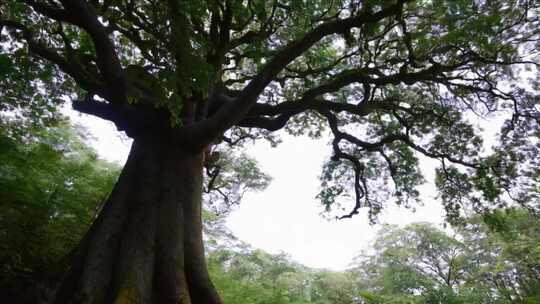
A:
x: 146, y: 245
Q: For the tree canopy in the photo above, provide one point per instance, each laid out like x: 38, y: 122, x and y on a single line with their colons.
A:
x: 52, y: 186
x: 479, y: 262
x: 391, y: 79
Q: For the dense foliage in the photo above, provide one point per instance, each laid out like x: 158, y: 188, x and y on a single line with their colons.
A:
x: 474, y: 264
x: 417, y: 264
x: 392, y: 80
x: 51, y: 187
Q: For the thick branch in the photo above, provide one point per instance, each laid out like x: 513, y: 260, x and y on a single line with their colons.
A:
x: 309, y: 99
x: 233, y: 112
x: 49, y: 11
x: 270, y: 124
x: 83, y: 15
x: 69, y: 67
x: 297, y: 48
x: 96, y: 108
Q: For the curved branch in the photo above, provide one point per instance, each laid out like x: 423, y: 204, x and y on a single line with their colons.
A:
x: 233, y: 112
x: 360, y: 184
x: 82, y: 14
x: 71, y: 68
x: 309, y: 99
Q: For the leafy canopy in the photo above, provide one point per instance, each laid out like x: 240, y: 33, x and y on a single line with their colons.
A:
x: 487, y: 260
x: 51, y: 187
x: 391, y: 80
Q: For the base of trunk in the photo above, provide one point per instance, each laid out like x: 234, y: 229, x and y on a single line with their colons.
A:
x: 146, y: 245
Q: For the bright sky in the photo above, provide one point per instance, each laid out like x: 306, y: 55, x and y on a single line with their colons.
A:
x: 286, y: 217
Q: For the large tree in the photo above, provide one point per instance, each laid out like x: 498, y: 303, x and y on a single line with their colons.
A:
x: 391, y: 79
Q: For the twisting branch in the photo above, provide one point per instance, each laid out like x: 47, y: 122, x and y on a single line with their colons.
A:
x: 360, y: 183
x: 40, y: 50
x: 310, y: 99
x: 440, y: 156
x: 82, y: 14
x: 231, y: 113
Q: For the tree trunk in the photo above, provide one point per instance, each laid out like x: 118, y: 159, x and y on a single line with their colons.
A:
x: 146, y: 245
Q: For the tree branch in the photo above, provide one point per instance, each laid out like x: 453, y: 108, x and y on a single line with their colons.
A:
x: 49, y: 11
x: 297, y: 48
x: 96, y: 108
x: 231, y: 113
x: 83, y: 15
x: 69, y: 67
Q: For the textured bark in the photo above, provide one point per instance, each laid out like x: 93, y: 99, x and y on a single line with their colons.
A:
x: 146, y: 245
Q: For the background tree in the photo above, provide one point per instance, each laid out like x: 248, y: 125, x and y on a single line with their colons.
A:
x: 246, y: 275
x: 506, y: 255
x: 51, y: 187
x: 477, y: 264
x: 391, y: 80
x: 418, y: 259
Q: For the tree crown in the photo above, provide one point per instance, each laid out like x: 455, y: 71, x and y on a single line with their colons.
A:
x: 391, y: 80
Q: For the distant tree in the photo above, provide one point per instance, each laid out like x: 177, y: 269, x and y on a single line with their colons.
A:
x: 51, y: 188
x: 332, y: 287
x: 491, y: 261
x: 253, y: 276
x: 391, y: 79
x: 505, y: 250
x: 416, y: 260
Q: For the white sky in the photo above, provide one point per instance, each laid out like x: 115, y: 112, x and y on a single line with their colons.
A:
x: 286, y: 217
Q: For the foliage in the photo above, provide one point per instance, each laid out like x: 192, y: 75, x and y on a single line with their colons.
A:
x: 391, y: 80
x: 229, y: 176
x: 491, y: 260
x: 246, y: 275
x: 485, y: 261
x: 253, y: 276
x: 513, y: 235
x: 52, y: 186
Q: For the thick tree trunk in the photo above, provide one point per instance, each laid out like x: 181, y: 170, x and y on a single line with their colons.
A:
x: 146, y: 245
